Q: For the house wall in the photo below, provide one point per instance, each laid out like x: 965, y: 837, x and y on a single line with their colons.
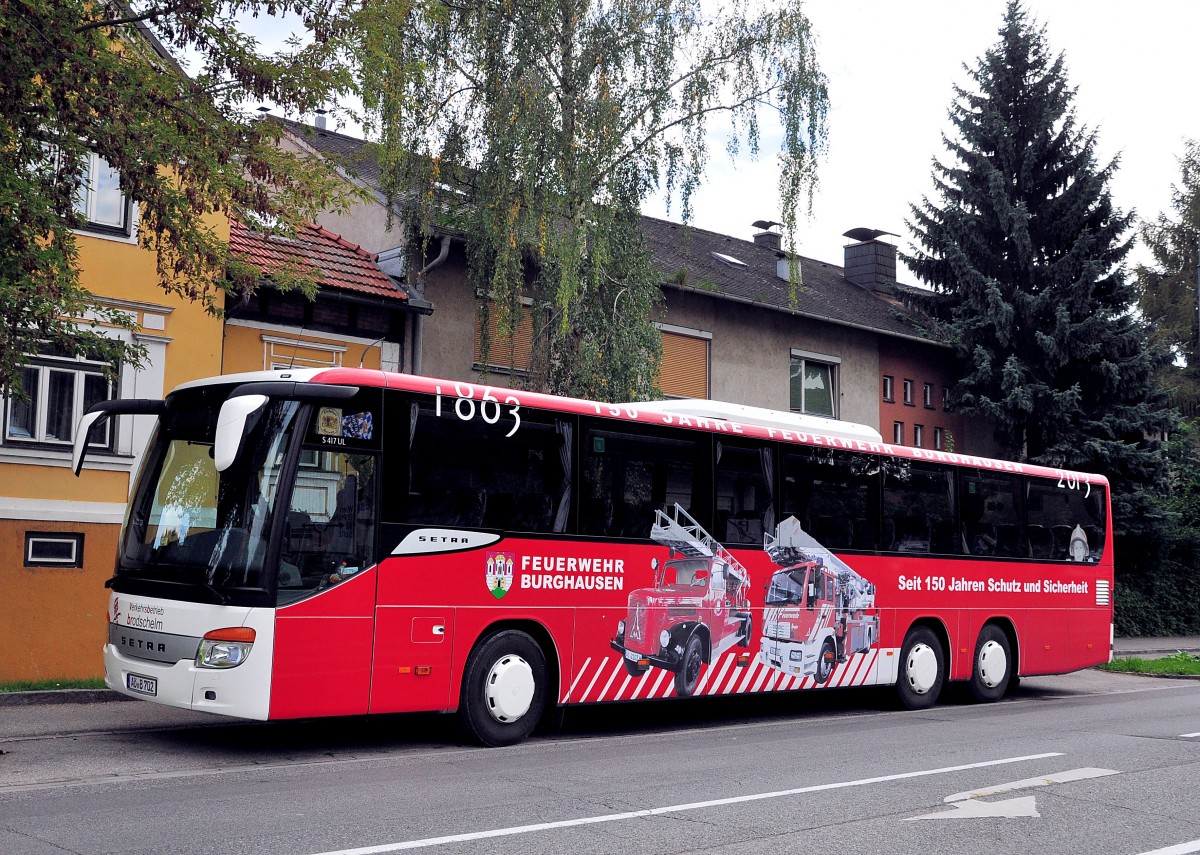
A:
x: 55, y: 617
x: 926, y: 364
x: 750, y: 353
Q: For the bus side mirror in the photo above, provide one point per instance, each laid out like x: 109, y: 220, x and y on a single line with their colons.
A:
x: 96, y: 415
x: 231, y: 427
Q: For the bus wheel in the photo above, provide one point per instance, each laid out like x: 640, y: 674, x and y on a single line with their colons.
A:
x: 825, y: 661
x: 992, y: 669
x: 688, y: 674
x: 922, y: 669
x: 504, y: 689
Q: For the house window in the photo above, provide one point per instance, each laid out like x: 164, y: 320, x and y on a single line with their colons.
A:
x: 939, y: 439
x: 511, y: 351
x: 889, y: 388
x: 683, y: 371
x: 100, y: 200
x: 59, y: 392
x: 898, y: 433
x: 908, y: 393
x: 813, y: 384
x: 928, y: 396
x: 53, y: 549
x: 945, y: 398
x: 918, y: 435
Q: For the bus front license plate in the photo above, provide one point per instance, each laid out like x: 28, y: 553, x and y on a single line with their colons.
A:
x: 142, y: 685
x: 632, y: 656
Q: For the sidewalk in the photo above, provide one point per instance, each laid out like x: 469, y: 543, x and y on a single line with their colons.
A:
x: 1150, y: 647
x: 1146, y: 648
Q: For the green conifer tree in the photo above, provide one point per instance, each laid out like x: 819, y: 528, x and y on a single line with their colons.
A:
x: 1167, y: 287
x: 1025, y: 252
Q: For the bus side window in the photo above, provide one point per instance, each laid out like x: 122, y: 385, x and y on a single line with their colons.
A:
x: 510, y: 473
x: 629, y: 474
x: 918, y: 500
x: 329, y: 532
x: 745, y: 483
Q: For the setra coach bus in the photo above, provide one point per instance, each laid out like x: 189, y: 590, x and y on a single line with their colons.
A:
x: 336, y: 542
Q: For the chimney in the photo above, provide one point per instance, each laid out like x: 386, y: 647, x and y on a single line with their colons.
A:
x: 870, y: 262
x: 766, y: 237
x: 321, y: 120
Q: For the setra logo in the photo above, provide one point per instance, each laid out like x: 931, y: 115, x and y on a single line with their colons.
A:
x: 116, y: 610
x: 499, y: 573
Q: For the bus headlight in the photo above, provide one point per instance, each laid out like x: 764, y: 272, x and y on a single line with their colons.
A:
x: 620, y: 627
x: 796, y: 655
x: 664, y: 638
x: 225, y: 648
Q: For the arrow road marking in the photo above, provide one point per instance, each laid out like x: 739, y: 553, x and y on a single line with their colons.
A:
x: 1008, y: 809
x: 1043, y: 781
x: 964, y: 805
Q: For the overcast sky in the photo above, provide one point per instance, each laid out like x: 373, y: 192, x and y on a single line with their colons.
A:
x: 892, y: 67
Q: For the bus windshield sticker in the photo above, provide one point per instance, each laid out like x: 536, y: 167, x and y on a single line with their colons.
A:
x: 329, y: 421
x: 358, y: 426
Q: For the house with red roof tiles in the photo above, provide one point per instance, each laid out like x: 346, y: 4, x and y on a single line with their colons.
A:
x: 358, y: 317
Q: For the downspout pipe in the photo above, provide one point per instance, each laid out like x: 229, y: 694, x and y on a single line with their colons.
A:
x: 419, y: 320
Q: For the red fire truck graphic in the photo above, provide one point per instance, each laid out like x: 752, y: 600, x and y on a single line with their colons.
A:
x: 697, y: 609
x: 818, y: 611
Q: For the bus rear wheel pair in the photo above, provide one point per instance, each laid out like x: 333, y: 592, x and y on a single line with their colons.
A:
x: 923, y: 667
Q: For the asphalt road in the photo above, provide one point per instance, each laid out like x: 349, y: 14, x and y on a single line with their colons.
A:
x: 1084, y: 763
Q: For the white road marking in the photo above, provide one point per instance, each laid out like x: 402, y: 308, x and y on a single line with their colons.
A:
x: 965, y: 806
x: 1043, y: 781
x: 1008, y: 809
x: 659, y: 811
x: 1188, y: 735
x: 1177, y: 849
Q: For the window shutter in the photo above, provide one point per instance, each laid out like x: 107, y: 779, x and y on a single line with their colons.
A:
x: 513, y: 351
x: 683, y: 372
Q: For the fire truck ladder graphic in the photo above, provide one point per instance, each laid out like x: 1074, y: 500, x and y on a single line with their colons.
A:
x: 687, y: 537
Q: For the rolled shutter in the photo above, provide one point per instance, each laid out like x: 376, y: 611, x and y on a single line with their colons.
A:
x: 684, y: 369
x: 513, y: 351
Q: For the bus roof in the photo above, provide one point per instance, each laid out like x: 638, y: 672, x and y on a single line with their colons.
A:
x: 711, y: 416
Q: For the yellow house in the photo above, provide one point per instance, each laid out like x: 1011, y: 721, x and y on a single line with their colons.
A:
x: 58, y: 533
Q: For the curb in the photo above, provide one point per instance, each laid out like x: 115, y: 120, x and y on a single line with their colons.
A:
x: 60, y: 696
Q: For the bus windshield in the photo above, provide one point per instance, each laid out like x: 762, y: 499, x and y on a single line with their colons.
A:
x: 189, y: 524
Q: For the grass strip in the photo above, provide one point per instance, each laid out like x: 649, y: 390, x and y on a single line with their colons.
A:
x: 1177, y: 664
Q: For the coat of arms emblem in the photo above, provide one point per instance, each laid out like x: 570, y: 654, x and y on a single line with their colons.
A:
x: 499, y: 573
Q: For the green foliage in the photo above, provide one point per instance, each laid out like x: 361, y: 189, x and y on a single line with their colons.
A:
x: 1158, y: 589
x: 1025, y: 251
x: 1176, y: 664
x: 1167, y: 288
x: 537, y: 133
x: 79, y: 77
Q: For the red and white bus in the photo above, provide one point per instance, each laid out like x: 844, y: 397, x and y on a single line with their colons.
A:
x: 345, y: 541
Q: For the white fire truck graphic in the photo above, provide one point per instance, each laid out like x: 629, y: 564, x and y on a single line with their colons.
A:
x: 697, y: 609
x: 817, y: 610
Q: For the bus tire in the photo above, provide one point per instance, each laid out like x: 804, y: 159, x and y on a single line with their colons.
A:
x: 503, y: 690
x: 688, y: 674
x: 992, y: 667
x: 922, y: 669
x: 825, y: 661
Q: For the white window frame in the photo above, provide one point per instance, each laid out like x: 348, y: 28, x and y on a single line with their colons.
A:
x: 897, y: 433
x: 834, y: 364
x: 33, y: 538
x: 908, y: 393
x: 889, y: 388
x: 45, y: 367
x: 918, y: 435
x: 86, y: 204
